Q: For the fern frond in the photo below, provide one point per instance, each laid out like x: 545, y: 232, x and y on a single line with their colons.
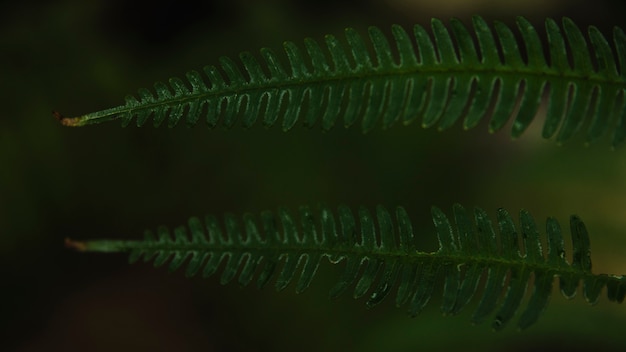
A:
x: 439, y: 81
x: 381, y: 255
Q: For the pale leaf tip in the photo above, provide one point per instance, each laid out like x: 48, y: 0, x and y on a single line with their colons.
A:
x: 76, y: 245
x: 66, y: 121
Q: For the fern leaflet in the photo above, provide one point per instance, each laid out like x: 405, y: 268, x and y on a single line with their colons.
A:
x: 439, y: 81
x: 380, y: 254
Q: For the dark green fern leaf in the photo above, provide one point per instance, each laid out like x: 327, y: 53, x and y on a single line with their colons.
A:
x: 438, y: 81
x: 380, y: 256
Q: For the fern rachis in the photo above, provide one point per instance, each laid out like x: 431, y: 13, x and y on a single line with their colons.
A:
x: 440, y: 81
x: 381, y: 256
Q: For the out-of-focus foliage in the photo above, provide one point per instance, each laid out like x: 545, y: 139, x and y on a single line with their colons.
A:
x: 75, y: 56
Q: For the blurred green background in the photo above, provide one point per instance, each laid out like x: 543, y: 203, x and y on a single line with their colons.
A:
x: 104, y: 181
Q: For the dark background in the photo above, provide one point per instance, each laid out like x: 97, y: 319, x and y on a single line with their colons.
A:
x: 105, y: 181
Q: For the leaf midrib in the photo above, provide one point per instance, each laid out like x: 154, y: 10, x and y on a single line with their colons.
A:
x: 311, y: 80
x: 359, y: 251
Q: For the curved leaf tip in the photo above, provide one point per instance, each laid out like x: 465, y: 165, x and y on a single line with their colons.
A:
x: 76, y: 245
x: 67, y: 121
